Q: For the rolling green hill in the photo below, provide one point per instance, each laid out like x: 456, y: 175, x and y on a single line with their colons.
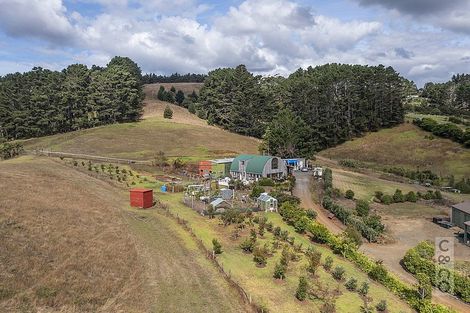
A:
x: 185, y: 135
x: 408, y: 146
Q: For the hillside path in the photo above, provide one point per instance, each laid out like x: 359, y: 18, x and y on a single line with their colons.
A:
x: 303, y: 183
x: 386, y: 253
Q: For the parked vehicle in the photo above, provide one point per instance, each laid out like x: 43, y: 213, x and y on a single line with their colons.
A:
x: 445, y: 224
x: 439, y: 218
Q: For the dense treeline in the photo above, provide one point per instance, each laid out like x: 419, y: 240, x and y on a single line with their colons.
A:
x: 43, y: 102
x: 237, y: 100
x: 445, y: 130
x: 450, y: 98
x: 173, y: 78
x: 310, y: 110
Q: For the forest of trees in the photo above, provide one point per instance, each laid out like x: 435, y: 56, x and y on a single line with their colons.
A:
x: 310, y: 110
x: 43, y: 102
x: 450, y: 98
x: 173, y: 78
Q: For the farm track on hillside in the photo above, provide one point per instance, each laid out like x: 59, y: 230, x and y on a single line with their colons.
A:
x: 374, y: 251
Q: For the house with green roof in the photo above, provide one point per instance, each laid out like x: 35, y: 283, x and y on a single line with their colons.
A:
x: 251, y: 167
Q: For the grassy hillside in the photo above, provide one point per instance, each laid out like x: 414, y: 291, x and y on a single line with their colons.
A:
x: 365, y: 185
x: 184, y: 135
x: 71, y: 244
x: 278, y: 296
x: 408, y: 146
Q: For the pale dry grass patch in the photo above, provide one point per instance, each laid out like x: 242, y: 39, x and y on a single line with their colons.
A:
x: 64, y: 246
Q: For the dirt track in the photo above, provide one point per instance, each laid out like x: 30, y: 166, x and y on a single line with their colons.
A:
x: 302, y: 190
x: 389, y: 254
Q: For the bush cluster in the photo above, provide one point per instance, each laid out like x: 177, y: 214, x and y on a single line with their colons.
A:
x: 295, y: 216
x: 370, y: 227
x: 399, y: 197
x: 284, y: 197
x: 421, y: 176
x: 351, y: 163
x: 10, y: 150
x: 267, y: 182
x: 445, y: 130
x: 375, y: 270
x: 419, y: 260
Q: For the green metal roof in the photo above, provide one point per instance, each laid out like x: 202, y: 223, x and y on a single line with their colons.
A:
x: 255, y: 165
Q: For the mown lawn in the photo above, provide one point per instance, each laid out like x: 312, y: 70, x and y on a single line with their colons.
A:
x: 278, y: 296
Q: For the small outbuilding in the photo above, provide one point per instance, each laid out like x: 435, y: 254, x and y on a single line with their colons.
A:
x: 226, y: 193
x: 317, y: 172
x: 461, y: 218
x: 220, y: 205
x: 267, y: 203
x: 204, y: 168
x: 295, y: 163
x: 141, y: 198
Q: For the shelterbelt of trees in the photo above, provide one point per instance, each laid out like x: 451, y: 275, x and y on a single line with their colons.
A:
x: 449, y: 98
x: 43, y: 102
x: 310, y: 110
x: 152, y: 78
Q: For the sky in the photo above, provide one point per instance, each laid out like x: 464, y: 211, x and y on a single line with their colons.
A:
x: 424, y: 40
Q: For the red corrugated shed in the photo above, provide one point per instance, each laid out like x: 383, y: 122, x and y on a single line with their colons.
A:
x: 141, y: 198
x: 205, y: 167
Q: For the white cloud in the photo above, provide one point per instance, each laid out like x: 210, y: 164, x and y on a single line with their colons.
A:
x: 270, y: 37
x: 452, y: 15
x: 331, y: 33
x: 44, y: 19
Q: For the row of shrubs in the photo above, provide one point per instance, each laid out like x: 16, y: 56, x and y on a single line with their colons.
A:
x: 445, y: 130
x: 421, y: 176
x: 293, y: 215
x: 261, y: 253
x: 375, y: 270
x: 112, y: 171
x: 457, y: 120
x: 399, y: 197
x: 419, y: 260
x: 370, y: 227
x: 351, y: 163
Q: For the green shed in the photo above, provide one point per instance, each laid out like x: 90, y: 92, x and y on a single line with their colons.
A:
x: 253, y: 167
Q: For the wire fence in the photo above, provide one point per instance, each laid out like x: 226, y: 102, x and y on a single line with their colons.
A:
x: 212, y: 257
x: 85, y: 157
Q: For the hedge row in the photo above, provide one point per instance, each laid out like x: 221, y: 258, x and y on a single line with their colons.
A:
x: 399, y: 197
x: 348, y: 218
x: 419, y: 260
x: 375, y: 270
x: 446, y: 130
